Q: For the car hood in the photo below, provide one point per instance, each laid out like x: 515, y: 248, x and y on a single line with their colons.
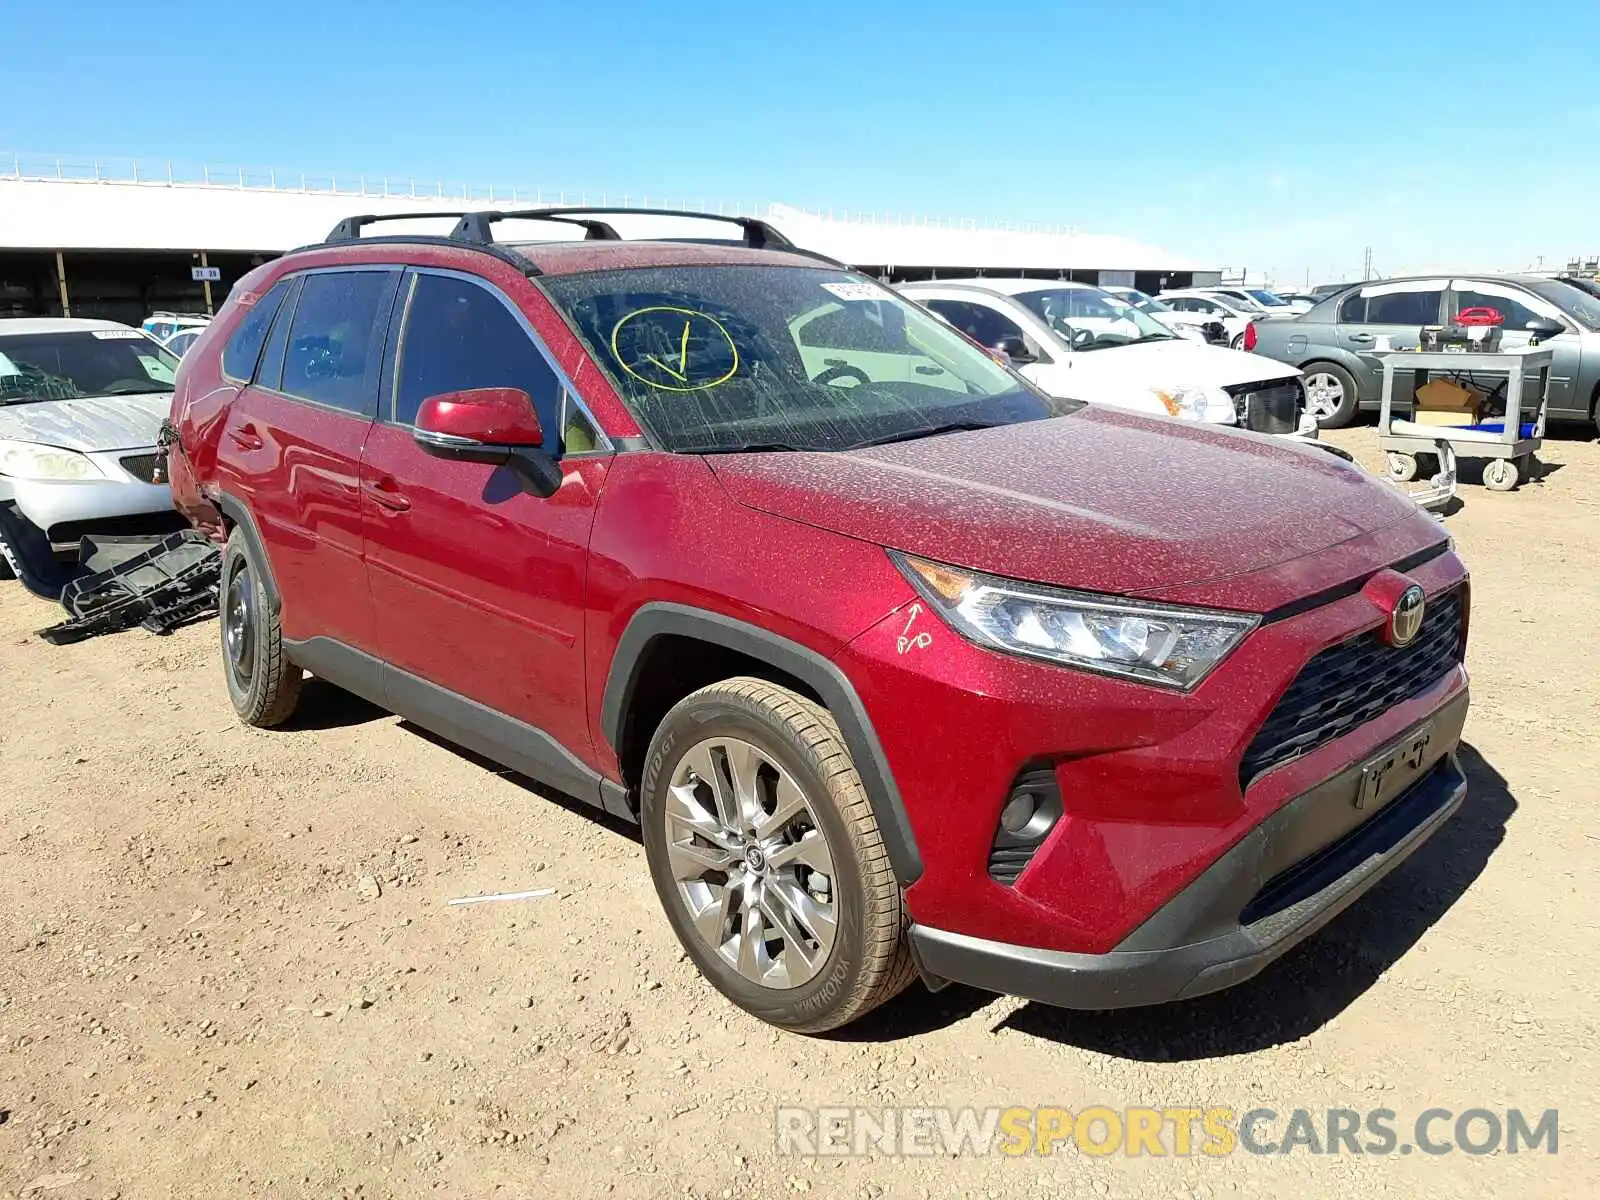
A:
x: 99, y: 423
x: 1176, y: 364
x: 1102, y: 499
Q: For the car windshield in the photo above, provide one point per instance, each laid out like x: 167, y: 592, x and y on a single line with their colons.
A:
x: 1151, y: 305
x: 1088, y: 319
x: 1270, y: 299
x: 721, y: 358
x: 1574, y: 301
x: 81, y: 363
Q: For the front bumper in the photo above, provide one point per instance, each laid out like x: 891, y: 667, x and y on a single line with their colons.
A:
x: 64, y: 510
x: 1151, y: 791
x: 1285, y: 880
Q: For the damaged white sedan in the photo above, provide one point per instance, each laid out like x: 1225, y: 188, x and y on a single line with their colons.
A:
x: 81, y: 406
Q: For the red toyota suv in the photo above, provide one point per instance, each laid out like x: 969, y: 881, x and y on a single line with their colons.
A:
x: 901, y: 666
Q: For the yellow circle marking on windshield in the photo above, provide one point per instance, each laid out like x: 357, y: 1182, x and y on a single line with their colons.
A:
x: 669, y: 353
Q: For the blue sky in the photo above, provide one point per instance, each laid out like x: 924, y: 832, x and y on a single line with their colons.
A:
x: 1282, y: 136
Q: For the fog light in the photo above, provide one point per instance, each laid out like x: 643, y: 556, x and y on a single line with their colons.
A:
x: 1018, y: 812
x: 1029, y: 814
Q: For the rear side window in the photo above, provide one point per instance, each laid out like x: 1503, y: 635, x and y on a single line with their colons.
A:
x: 458, y: 335
x: 1389, y: 305
x: 336, y: 340
x: 244, y: 345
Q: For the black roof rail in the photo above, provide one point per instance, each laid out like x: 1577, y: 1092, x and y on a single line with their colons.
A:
x: 478, y: 227
x: 755, y: 233
x: 349, y: 229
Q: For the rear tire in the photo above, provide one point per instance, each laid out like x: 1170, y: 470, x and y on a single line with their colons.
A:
x: 1332, y: 412
x: 813, y: 938
x: 8, y: 560
x: 262, y: 683
x: 1237, y: 343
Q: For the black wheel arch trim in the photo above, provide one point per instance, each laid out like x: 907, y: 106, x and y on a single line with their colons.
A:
x: 236, y: 511
x: 661, y: 618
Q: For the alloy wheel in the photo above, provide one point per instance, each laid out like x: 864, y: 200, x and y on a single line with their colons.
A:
x: 1324, y: 395
x: 751, y: 862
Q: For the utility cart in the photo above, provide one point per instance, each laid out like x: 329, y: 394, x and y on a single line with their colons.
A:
x: 1509, y: 443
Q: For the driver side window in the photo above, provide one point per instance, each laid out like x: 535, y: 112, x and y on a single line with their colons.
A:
x: 459, y: 336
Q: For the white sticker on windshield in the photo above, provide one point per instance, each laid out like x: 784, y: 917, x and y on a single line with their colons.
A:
x: 852, y: 290
x: 116, y: 334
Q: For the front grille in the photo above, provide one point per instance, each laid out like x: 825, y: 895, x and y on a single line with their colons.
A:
x: 1348, y: 685
x: 147, y: 468
x: 1272, y: 407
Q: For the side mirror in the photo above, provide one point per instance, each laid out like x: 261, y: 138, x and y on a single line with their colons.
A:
x: 497, y: 426
x: 1014, y: 348
x: 1544, y: 328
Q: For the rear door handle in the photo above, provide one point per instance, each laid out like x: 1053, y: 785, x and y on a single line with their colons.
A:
x: 385, y: 492
x: 246, y: 438
x: 1360, y: 339
x: 930, y: 370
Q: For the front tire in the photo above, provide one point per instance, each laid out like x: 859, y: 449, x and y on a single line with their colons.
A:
x: 766, y: 856
x: 262, y: 683
x: 1330, y: 395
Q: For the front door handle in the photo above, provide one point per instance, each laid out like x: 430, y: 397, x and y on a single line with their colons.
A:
x: 246, y: 438
x: 386, y: 493
x: 930, y: 370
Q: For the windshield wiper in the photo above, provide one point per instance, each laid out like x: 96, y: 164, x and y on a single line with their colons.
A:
x: 922, y: 431
x: 1154, y: 337
x: 750, y: 448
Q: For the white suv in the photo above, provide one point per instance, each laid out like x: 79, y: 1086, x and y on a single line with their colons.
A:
x: 1079, y: 341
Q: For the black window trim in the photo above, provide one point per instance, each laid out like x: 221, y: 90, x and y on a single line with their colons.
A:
x: 261, y: 349
x: 569, y: 394
x: 384, y: 314
x: 285, y: 315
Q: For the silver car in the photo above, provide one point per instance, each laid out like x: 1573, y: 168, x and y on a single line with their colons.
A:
x: 81, y: 406
x: 1330, y: 342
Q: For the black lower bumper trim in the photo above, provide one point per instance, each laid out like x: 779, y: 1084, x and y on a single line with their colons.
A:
x: 1184, y: 950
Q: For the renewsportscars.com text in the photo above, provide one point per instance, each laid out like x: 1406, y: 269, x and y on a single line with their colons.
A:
x: 1176, y: 1131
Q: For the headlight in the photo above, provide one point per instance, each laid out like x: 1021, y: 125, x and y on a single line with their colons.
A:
x: 27, y: 460
x: 1173, y: 647
x: 1198, y: 404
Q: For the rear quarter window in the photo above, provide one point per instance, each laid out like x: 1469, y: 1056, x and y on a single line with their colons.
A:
x: 243, y: 348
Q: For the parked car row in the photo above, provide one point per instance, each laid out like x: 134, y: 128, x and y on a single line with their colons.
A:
x: 1330, y: 342
x: 1082, y: 342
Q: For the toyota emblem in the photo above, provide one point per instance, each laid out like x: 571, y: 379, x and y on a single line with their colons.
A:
x: 1406, y: 619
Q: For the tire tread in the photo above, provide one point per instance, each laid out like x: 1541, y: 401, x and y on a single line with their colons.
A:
x: 887, y: 966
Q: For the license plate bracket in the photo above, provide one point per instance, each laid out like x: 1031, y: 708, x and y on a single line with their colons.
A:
x: 1395, y: 768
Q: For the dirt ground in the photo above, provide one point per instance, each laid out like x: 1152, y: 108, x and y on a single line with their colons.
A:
x: 227, y: 965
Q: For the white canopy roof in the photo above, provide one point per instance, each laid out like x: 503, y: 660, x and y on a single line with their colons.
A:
x: 73, y: 214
